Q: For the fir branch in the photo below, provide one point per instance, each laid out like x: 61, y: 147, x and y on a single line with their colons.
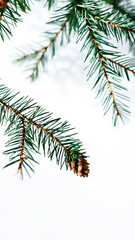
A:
x: 63, y: 146
x: 43, y: 49
x: 103, y: 66
x: 103, y: 25
x: 36, y: 125
x: 118, y: 64
x: 110, y: 22
x: 32, y: 53
x: 114, y: 24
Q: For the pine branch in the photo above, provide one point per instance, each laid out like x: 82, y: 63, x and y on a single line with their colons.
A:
x: 78, y: 12
x: 103, y: 67
x: 43, y: 50
x: 35, y: 124
x: 32, y: 53
x: 110, y: 21
x: 38, y: 128
x: 118, y: 64
x: 114, y: 24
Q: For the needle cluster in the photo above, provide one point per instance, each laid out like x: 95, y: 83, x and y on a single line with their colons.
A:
x: 96, y: 24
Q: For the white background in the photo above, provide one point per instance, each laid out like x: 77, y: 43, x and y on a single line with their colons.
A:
x: 54, y: 204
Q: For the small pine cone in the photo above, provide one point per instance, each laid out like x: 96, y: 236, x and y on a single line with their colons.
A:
x: 80, y: 167
x: 75, y: 166
x: 3, y: 3
x: 83, y: 169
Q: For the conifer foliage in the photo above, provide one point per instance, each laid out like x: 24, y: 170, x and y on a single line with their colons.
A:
x: 96, y: 24
x: 99, y: 25
x: 30, y: 127
x: 10, y: 14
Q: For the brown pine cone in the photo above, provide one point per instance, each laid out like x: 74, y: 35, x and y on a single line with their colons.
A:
x: 3, y: 3
x: 80, y: 167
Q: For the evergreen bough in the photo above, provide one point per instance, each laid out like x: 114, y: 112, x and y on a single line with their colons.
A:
x: 98, y: 25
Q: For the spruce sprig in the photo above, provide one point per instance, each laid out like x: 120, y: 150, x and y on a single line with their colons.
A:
x: 10, y: 15
x: 96, y: 27
x: 40, y: 55
x: 30, y: 127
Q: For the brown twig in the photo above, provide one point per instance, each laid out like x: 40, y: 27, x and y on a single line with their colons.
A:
x: 22, y: 147
x: 30, y: 54
x: 103, y: 67
x: 39, y: 60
